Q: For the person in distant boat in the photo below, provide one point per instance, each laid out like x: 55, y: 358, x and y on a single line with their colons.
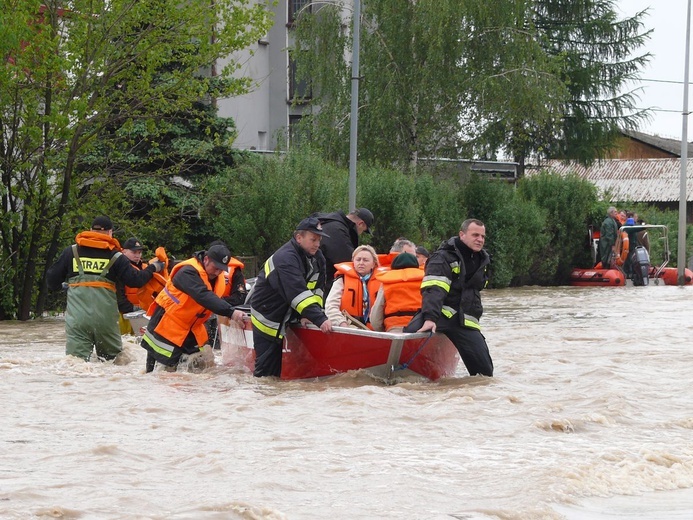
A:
x: 399, y: 298
x: 342, y: 238
x: 290, y: 286
x: 401, y: 245
x: 608, y: 232
x: 422, y: 255
x: 93, y: 266
x: 192, y: 294
x: 128, y: 301
x: 354, y: 288
x: 454, y: 277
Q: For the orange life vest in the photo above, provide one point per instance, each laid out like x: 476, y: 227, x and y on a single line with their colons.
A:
x: 182, y: 313
x: 148, y: 292
x: 385, y: 260
x: 97, y: 240
x: 402, y: 291
x: 132, y: 293
x: 352, y: 296
x: 234, y: 263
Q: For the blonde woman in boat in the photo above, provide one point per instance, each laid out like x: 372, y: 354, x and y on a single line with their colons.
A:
x: 354, y: 289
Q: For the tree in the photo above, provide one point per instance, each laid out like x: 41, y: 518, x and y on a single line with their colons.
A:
x: 434, y: 71
x: 597, y: 56
x: 474, y: 78
x: 69, y: 75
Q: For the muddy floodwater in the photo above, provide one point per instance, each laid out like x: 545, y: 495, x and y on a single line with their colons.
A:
x: 589, y: 416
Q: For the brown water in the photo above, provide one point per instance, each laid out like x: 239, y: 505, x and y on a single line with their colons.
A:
x: 590, y: 416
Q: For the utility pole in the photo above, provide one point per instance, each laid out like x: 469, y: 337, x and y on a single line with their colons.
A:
x: 353, y: 129
x: 683, y: 198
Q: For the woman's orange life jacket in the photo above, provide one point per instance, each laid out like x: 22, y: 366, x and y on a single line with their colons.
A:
x: 402, y: 291
x: 182, y: 313
x: 352, y: 296
x: 234, y: 263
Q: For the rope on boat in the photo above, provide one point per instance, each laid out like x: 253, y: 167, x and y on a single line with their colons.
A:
x: 404, y: 366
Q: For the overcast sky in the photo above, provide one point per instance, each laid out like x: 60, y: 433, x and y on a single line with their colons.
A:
x: 667, y: 43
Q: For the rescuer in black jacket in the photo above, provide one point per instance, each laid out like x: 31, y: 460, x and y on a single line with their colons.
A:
x: 454, y: 276
x: 290, y: 285
x: 342, y: 237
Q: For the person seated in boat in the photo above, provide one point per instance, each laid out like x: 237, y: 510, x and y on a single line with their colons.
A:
x: 608, y: 232
x: 192, y: 294
x: 401, y: 245
x: 290, y: 286
x: 354, y: 288
x: 422, y: 255
x: 399, y: 298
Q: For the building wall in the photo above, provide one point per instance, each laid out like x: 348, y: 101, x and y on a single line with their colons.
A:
x: 262, y: 116
x: 628, y: 148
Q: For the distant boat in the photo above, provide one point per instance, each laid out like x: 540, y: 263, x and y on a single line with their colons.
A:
x: 599, y: 276
x: 309, y: 353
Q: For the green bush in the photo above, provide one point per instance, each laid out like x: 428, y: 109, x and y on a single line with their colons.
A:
x: 568, y: 204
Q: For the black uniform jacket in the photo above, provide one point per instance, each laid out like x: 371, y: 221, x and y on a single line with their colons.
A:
x: 290, y: 285
x: 454, y: 277
x: 343, y: 239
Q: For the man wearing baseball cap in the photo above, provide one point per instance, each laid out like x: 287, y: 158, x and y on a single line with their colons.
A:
x: 193, y: 293
x: 289, y: 287
x: 344, y: 231
x: 128, y: 300
x: 92, y: 267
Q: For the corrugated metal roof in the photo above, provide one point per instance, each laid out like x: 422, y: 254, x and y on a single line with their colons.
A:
x: 637, y: 180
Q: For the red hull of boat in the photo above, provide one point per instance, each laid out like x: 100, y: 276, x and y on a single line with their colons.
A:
x: 308, y: 353
x: 597, y: 278
x: 670, y: 276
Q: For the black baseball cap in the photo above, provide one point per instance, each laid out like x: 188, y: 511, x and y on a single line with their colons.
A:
x: 365, y: 215
x: 313, y: 225
x: 133, y: 244
x: 220, y: 256
x: 102, y: 223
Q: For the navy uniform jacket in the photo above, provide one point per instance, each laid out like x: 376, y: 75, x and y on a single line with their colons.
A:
x: 454, y: 277
x: 290, y: 285
x: 343, y: 239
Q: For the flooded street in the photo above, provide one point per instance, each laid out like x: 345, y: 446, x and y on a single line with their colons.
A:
x: 589, y: 416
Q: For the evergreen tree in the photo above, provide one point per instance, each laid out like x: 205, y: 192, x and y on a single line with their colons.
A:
x: 598, y: 59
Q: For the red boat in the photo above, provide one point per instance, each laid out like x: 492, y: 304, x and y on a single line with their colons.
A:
x: 597, y: 277
x: 616, y: 277
x: 308, y: 353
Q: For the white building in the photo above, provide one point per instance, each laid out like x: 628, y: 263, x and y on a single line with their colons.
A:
x: 265, y: 115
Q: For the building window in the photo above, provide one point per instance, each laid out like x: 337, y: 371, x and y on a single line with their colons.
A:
x: 298, y: 133
x: 299, y: 91
x: 297, y: 7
